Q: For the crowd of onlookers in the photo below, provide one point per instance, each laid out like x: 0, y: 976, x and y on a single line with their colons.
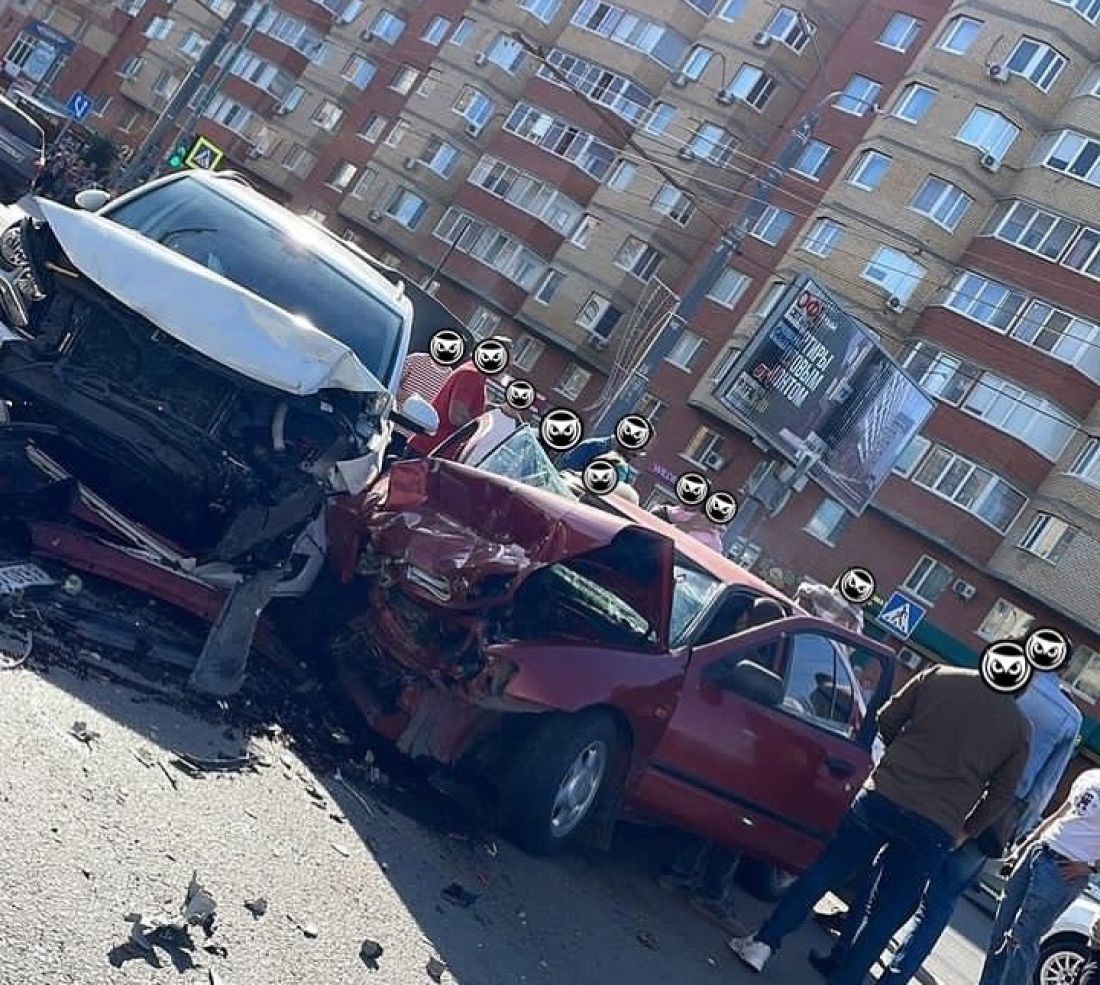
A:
x: 67, y: 172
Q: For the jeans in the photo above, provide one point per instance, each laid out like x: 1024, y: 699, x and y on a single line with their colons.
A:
x: 1036, y: 895
x: 914, y: 846
x: 937, y: 905
x: 1090, y: 972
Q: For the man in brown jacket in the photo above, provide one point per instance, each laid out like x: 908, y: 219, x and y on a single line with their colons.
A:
x: 955, y: 750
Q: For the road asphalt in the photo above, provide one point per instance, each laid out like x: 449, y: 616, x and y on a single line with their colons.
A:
x: 103, y: 827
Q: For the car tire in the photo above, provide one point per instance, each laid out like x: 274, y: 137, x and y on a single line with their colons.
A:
x: 1060, y: 959
x: 561, y: 773
x: 764, y: 880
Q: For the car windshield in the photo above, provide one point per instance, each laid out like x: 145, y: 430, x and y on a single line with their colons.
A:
x: 693, y: 592
x: 210, y: 228
x: 15, y: 123
x: 520, y: 457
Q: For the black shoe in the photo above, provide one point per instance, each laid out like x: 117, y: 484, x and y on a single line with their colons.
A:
x: 823, y: 964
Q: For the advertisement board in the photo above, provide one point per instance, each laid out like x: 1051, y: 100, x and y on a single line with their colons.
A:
x: 814, y: 383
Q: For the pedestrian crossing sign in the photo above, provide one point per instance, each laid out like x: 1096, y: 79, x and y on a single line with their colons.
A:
x: 901, y: 615
x: 204, y: 154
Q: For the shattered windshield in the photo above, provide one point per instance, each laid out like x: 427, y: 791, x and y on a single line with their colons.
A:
x: 225, y: 237
x: 520, y: 457
x: 693, y: 592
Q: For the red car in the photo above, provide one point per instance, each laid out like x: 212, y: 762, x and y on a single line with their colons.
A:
x: 593, y: 663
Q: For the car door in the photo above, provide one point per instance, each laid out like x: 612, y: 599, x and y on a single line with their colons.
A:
x: 771, y: 780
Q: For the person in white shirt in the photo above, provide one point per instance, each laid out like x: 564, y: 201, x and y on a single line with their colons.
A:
x: 1050, y: 869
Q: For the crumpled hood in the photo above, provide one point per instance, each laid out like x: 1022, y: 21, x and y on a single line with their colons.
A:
x: 450, y: 527
x: 204, y: 311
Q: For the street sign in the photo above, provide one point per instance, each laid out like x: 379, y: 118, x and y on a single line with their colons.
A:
x: 204, y: 154
x: 901, y: 615
x: 79, y: 105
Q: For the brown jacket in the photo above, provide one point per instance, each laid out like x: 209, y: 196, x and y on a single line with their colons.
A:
x: 955, y: 750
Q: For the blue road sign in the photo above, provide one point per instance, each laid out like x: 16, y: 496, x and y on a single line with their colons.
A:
x: 79, y: 105
x: 901, y: 615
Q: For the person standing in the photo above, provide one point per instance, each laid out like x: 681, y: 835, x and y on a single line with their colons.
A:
x: 694, y: 523
x: 459, y: 400
x: 1054, y: 721
x: 1049, y: 871
x: 955, y: 751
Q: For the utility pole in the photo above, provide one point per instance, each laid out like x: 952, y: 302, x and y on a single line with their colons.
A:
x: 150, y: 147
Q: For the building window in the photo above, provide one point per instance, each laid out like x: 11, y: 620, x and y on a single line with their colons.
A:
x: 985, y: 301
x: 751, y: 85
x: 900, y: 32
x: 166, y: 85
x: 637, y: 257
x: 942, y: 202
x: 1037, y: 62
x: 475, y: 107
x: 404, y: 79
x: 436, y: 31
x: 506, y: 53
x: 598, y: 316
x: 672, y: 202
x: 654, y: 39
x: 960, y: 34
x: 131, y: 68
x: 572, y: 382
x: 1005, y: 621
x: 772, y: 225
x: 298, y: 160
x: 650, y: 408
x: 622, y: 174
x: 696, y: 62
x: 327, y: 115
x: 659, y: 119
x: 373, y: 127
x: 990, y: 132
x: 829, y: 522
x: 463, y: 31
x: 943, y: 375
x: 617, y: 92
x: 129, y: 119
x: 1046, y: 234
x: 910, y: 456
x: 769, y: 299
x: 1072, y: 154
x: 895, y: 272
x: 813, y: 161
x: 1084, y: 665
x: 790, y: 27
x: 158, y: 28
x: 730, y: 10
x: 823, y: 237
x: 582, y: 235
x: 1086, y: 464
x: 869, y: 170
x: 712, y: 143
x: 544, y: 10
x: 386, y: 26
x: 729, y: 288
x: 192, y: 44
x: 548, y: 286
x: 685, y: 351
x: 970, y: 486
x: 440, y: 156
x: 705, y: 449
x: 722, y: 364
x: 1029, y: 418
x: 526, y: 350
x: 529, y: 193
x: 929, y: 579
x: 483, y: 322
x: 1047, y: 537
x: 914, y: 102
x: 359, y: 71
x: 859, y: 96
x: 1062, y: 335
x: 364, y: 184
x: 398, y: 132
x: 341, y: 176
x: 407, y: 208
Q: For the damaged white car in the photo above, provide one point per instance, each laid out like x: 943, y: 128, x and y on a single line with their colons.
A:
x: 211, y: 369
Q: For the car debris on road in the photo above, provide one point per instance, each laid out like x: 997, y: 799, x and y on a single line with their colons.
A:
x: 370, y: 951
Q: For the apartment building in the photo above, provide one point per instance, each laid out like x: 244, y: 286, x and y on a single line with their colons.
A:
x: 554, y: 169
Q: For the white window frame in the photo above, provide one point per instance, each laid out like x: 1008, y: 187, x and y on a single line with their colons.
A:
x: 638, y: 258
x: 816, y: 156
x: 729, y: 287
x: 436, y: 30
x: 967, y: 470
x: 861, y: 166
x: 773, y: 224
x: 704, y: 443
x: 858, y: 104
x: 1088, y: 9
x: 920, y: 444
x: 1086, y: 462
x: 909, y: 95
x: 395, y: 212
x: 386, y: 27
x: 685, y: 360
x: 915, y: 583
x: 822, y: 237
x: 522, y: 347
x: 828, y: 531
x: 572, y: 381
x: 1042, y: 68
x: 752, y: 86
x: 911, y: 27
x: 998, y: 134
x: 1047, y: 537
x: 949, y: 206
x: 999, y: 631
x: 970, y: 26
x: 901, y: 278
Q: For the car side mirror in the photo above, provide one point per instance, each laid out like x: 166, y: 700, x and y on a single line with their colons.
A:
x: 749, y: 679
x: 92, y: 199
x: 420, y: 415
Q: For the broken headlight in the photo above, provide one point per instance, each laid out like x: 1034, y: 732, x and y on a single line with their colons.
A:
x: 13, y: 248
x: 24, y: 284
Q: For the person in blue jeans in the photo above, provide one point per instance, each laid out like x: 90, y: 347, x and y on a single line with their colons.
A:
x: 955, y: 751
x: 1050, y: 870
x: 1055, y: 723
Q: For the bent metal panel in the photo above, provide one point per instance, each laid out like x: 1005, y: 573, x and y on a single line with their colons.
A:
x: 814, y: 381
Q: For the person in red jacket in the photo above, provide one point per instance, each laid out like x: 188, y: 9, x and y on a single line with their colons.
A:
x: 459, y: 401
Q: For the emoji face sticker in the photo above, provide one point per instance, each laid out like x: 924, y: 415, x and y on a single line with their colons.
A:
x: 1047, y: 648
x: 447, y: 347
x: 692, y: 488
x: 561, y: 429
x: 633, y: 432
x: 720, y: 507
x: 857, y: 585
x: 491, y: 356
x: 1004, y: 667
x: 600, y: 476
x: 520, y: 394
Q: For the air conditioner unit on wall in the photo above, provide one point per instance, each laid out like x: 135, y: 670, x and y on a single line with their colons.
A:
x: 725, y: 97
x: 963, y: 589
x: 680, y: 80
x: 991, y: 162
x: 480, y: 58
x: 686, y: 154
x: 761, y: 39
x: 410, y: 163
x: 999, y: 73
x: 894, y: 303
x: 910, y: 658
x: 713, y: 460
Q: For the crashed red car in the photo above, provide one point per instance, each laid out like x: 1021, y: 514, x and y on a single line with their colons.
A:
x: 591, y: 664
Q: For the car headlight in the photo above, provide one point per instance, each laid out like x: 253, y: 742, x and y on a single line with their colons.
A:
x: 13, y: 248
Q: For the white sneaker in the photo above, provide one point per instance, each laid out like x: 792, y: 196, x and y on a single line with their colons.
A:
x: 751, y: 951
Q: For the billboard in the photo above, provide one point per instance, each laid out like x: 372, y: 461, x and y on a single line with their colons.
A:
x: 814, y: 383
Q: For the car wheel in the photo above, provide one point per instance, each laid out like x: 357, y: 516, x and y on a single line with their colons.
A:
x: 556, y: 780
x: 1060, y: 961
x: 764, y: 880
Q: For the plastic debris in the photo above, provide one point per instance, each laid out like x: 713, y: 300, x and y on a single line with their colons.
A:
x: 15, y: 647
x: 435, y: 969
x: 257, y: 907
x: 82, y: 733
x: 199, y: 906
x: 370, y: 951
x: 308, y: 929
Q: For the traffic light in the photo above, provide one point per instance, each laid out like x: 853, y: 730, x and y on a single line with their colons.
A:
x: 178, y: 156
